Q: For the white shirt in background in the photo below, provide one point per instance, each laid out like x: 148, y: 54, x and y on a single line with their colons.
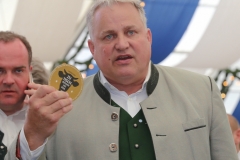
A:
x: 11, y: 125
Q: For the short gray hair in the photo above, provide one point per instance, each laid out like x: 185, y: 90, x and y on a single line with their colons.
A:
x: 99, y: 3
x: 39, y: 73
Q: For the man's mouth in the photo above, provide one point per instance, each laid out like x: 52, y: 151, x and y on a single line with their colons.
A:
x: 124, y: 57
x: 7, y: 91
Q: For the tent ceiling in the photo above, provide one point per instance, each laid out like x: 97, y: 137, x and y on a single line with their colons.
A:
x: 220, y: 45
x: 51, y: 27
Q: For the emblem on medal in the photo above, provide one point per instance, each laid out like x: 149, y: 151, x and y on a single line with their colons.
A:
x: 67, y: 78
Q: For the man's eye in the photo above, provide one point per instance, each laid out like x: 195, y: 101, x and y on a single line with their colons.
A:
x: 109, y: 37
x: 18, y: 70
x: 130, y: 33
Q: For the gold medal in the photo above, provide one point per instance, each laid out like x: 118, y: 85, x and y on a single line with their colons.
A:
x: 67, y: 78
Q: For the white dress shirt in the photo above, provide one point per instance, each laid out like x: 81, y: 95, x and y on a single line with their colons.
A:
x: 129, y: 103
x: 11, y: 125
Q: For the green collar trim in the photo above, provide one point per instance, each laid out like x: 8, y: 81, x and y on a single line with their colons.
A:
x: 105, y: 95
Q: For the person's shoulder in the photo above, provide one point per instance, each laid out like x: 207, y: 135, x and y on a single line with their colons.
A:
x: 177, y: 71
x: 182, y: 75
x: 184, y: 79
x: 88, y: 79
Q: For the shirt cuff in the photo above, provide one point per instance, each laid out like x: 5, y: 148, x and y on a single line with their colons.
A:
x: 25, y: 151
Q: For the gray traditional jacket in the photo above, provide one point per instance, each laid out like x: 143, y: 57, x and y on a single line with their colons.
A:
x: 184, y: 112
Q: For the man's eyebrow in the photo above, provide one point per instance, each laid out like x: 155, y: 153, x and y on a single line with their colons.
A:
x: 107, y: 32
x: 129, y: 27
x: 20, y: 67
x: 112, y: 31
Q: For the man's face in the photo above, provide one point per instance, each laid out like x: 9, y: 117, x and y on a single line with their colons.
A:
x: 120, y: 44
x: 14, y: 75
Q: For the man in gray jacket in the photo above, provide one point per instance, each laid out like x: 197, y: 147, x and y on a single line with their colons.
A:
x: 131, y: 109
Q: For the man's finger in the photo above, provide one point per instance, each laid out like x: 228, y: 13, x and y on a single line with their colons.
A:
x: 42, y: 90
x: 54, y: 97
x: 59, y: 105
x: 33, y: 86
x: 58, y: 114
x: 29, y: 92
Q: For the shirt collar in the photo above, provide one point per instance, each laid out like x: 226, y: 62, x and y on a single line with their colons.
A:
x: 109, y: 86
x: 23, y: 110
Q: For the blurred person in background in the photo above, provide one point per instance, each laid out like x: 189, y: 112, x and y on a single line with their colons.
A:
x: 15, y: 74
x: 39, y: 72
x: 234, y: 124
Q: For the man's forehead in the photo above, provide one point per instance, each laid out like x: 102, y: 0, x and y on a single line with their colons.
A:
x: 14, y: 52
x: 15, y: 42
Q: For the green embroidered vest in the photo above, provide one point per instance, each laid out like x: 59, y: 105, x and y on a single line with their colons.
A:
x: 135, y: 141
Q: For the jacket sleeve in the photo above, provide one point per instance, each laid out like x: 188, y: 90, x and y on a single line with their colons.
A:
x: 221, y: 139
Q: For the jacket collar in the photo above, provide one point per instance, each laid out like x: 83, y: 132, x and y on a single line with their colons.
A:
x: 105, y: 95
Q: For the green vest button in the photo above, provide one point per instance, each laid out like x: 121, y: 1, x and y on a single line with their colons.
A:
x: 135, y: 125
x: 136, y: 146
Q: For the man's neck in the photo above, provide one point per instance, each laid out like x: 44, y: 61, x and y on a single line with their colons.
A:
x: 129, y: 88
x: 12, y: 111
x: 128, y: 85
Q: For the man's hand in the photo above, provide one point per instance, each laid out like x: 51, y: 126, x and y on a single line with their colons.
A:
x: 46, y: 106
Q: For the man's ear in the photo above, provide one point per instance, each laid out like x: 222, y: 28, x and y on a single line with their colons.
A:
x: 238, y: 135
x: 149, y: 35
x: 91, y: 46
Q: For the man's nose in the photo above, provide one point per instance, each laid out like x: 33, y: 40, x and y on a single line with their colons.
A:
x: 122, y: 43
x: 8, y: 78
